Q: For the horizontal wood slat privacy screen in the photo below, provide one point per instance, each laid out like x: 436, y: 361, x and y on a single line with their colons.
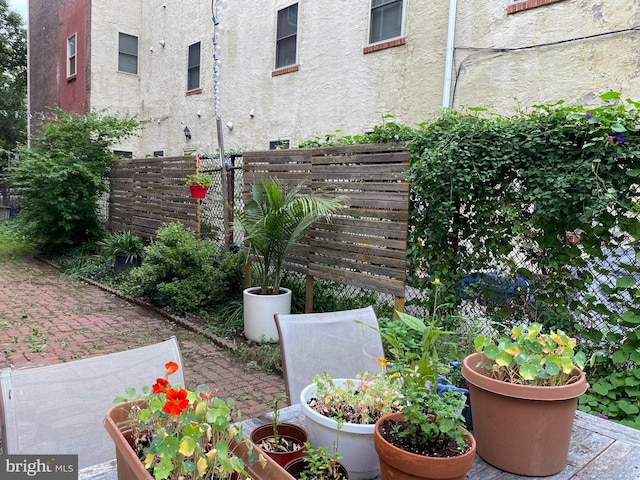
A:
x: 146, y: 193
x: 365, y: 244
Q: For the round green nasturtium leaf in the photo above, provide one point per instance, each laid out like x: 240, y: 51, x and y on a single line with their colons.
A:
x: 528, y: 372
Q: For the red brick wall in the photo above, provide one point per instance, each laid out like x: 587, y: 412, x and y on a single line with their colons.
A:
x: 529, y: 4
x: 51, y: 22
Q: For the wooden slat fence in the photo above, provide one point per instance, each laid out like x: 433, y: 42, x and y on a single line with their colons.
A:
x: 365, y: 244
x: 146, y: 193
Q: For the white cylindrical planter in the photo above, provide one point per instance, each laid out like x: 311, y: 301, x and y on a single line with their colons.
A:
x: 259, y: 323
x: 355, y: 442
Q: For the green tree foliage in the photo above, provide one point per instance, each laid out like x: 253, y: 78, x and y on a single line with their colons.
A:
x: 13, y: 78
x: 62, y: 175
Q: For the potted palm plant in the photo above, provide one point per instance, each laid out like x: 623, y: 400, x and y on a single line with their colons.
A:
x: 272, y: 222
x: 524, y: 391
x: 428, y: 438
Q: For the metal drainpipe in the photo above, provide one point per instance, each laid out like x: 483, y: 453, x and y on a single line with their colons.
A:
x: 448, y: 64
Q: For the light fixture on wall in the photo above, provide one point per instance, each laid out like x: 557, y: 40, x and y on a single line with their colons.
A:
x: 187, y: 133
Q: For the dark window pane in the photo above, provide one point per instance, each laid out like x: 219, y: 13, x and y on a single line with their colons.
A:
x: 286, y: 52
x: 127, y: 63
x: 386, y: 20
x: 193, y: 71
x: 194, y: 55
x: 128, y: 53
x: 193, y: 80
x: 286, y: 36
x: 128, y: 44
x: 288, y: 21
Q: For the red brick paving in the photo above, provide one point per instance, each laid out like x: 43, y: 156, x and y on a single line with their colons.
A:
x: 47, y: 319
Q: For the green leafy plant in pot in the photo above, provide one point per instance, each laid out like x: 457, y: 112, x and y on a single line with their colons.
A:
x: 524, y: 390
x: 198, y: 183
x: 340, y: 414
x: 282, y: 441
x: 125, y: 247
x: 273, y: 221
x: 428, y: 438
x: 318, y: 464
x: 173, y: 433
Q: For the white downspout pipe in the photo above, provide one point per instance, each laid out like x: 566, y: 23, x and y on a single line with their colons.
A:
x: 448, y: 64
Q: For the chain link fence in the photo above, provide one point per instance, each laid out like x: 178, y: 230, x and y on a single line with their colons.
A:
x: 500, y: 296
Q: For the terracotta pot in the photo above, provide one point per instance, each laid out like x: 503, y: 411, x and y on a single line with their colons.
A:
x: 398, y: 464
x: 198, y: 191
x: 521, y: 429
x: 297, y: 466
x: 131, y: 468
x: 287, y: 430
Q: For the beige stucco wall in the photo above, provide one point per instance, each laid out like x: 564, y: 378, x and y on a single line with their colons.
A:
x: 112, y: 90
x: 560, y: 65
x: 337, y: 87
x: 157, y: 94
x: 501, y: 62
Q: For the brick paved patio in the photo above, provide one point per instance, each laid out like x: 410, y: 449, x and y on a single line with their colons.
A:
x: 46, y: 319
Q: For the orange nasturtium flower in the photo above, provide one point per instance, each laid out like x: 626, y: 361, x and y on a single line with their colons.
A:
x: 176, y: 401
x: 170, y: 367
x: 161, y: 386
x: 383, y: 362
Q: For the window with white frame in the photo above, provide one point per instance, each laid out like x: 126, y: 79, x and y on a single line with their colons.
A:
x: 71, y: 56
x: 386, y: 20
x: 127, y: 53
x: 193, y: 67
x: 287, y: 36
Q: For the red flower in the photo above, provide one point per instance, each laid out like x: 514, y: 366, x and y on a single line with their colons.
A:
x: 161, y: 386
x: 176, y: 401
x: 170, y: 367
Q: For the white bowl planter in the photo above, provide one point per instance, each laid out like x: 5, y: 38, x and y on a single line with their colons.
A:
x: 354, y: 441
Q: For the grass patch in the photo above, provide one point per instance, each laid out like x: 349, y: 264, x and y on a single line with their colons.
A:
x: 13, y: 243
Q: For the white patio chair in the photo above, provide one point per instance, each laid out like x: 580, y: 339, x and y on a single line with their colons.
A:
x: 59, y: 409
x: 342, y: 343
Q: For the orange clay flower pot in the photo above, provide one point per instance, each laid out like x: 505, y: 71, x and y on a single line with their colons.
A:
x: 398, y: 464
x: 131, y: 468
x: 521, y: 429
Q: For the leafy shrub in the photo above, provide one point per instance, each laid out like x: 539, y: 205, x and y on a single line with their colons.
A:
x: 62, y: 176
x: 187, y: 275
